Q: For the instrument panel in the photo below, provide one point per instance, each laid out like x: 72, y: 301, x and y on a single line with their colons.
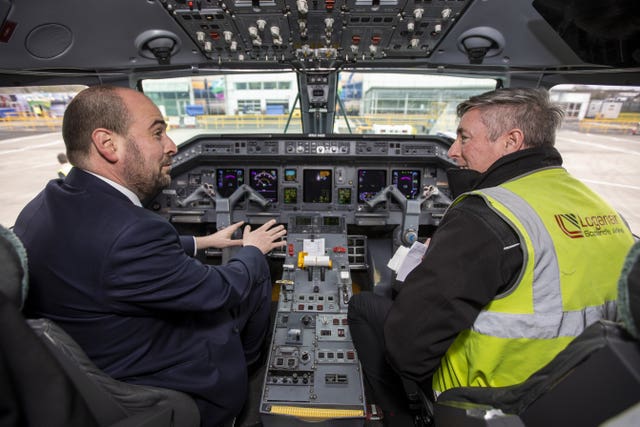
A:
x: 366, y: 180
x: 346, y: 203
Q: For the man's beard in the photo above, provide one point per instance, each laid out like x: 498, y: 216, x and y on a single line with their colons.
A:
x: 142, y: 181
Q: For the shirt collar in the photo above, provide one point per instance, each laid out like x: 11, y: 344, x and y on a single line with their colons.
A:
x: 124, y: 190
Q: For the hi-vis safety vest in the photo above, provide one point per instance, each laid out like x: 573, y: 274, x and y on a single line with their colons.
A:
x: 574, y: 245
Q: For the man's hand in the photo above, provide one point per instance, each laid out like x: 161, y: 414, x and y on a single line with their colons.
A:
x: 220, y: 239
x: 264, y: 237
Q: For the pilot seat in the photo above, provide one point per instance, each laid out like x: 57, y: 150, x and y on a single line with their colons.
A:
x: 594, y: 381
x: 46, y: 379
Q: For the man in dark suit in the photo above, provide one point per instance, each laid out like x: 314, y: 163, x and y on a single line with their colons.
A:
x: 121, y: 281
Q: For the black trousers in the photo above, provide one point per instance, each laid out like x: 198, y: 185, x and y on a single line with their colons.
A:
x: 367, y: 313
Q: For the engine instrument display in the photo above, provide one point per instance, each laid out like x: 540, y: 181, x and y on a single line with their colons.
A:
x: 317, y: 185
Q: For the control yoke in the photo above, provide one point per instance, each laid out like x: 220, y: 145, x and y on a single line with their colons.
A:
x: 200, y: 193
x: 253, y: 196
x: 224, y: 205
x: 410, y: 207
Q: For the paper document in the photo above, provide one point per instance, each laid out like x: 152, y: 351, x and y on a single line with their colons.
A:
x: 313, y: 247
x: 406, y: 259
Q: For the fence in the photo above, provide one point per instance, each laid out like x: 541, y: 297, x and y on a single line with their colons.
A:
x: 627, y: 123
x: 26, y: 122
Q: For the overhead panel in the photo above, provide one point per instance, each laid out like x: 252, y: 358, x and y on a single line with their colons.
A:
x: 316, y: 31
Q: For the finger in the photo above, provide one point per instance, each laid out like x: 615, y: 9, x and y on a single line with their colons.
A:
x: 277, y: 229
x: 235, y: 226
x: 247, y: 230
x: 279, y: 243
x: 268, y: 224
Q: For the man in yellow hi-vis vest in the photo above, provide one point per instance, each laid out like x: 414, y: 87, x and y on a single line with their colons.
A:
x: 523, y: 261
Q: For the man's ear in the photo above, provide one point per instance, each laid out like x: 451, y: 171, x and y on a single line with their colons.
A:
x: 514, y: 140
x: 104, y: 141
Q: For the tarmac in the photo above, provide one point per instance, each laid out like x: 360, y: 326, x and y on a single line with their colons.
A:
x: 606, y: 163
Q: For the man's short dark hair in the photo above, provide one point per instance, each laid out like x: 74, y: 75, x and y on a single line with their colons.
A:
x: 94, y: 107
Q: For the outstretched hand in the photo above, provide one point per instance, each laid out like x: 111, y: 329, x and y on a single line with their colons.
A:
x: 266, y: 237
x: 220, y: 239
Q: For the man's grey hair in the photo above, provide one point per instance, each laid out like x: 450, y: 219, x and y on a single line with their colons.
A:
x: 527, y: 109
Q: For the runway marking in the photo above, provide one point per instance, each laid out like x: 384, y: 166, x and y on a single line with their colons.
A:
x: 22, y: 138
x: 611, y: 184
x: 604, y: 147
x: 30, y: 147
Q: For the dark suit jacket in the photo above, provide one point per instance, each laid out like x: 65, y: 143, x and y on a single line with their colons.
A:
x: 118, y: 279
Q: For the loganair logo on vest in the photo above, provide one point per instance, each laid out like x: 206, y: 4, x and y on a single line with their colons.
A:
x: 576, y: 226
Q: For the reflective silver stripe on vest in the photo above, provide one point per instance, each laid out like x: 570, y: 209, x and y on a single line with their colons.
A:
x: 548, y: 319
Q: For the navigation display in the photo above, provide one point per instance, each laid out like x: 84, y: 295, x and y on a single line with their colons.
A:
x: 317, y: 185
x: 229, y: 180
x: 407, y: 181
x: 370, y: 183
x: 265, y: 182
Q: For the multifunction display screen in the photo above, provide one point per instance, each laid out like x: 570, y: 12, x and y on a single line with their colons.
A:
x: 407, y: 181
x: 370, y: 183
x: 229, y: 180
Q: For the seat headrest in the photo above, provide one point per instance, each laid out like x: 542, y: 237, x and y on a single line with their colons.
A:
x: 629, y: 292
x: 13, y: 265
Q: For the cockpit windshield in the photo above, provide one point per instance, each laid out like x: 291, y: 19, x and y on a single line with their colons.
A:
x: 269, y: 102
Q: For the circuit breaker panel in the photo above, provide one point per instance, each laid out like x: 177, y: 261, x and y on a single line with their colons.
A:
x: 313, y: 372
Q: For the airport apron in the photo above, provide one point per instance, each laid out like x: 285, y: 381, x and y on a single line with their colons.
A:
x: 574, y: 245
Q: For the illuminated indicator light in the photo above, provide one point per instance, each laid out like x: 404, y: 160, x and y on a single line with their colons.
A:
x: 190, y: 4
x: 336, y: 321
x: 214, y: 35
x: 300, y: 306
x: 355, y: 39
x: 290, y: 247
x: 345, y: 321
x: 376, y: 40
x: 320, y: 307
x: 329, y: 4
x: 351, y: 355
